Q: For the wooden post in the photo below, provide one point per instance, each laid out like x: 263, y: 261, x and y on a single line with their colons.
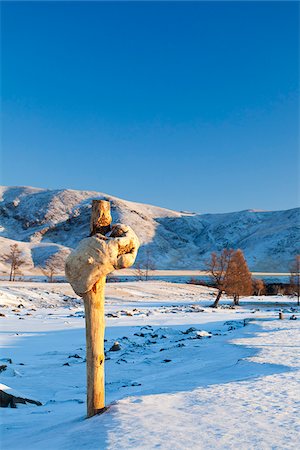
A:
x: 101, y: 217
x: 86, y: 269
x: 281, y: 316
x: 95, y: 321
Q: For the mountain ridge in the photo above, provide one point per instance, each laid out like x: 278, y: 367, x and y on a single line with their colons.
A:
x: 45, y: 222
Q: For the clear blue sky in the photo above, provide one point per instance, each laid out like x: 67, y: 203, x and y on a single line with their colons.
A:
x: 191, y: 106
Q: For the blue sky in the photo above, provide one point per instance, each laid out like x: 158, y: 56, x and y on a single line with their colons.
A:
x: 191, y: 106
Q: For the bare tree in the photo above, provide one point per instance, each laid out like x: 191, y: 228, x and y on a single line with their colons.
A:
x: 258, y: 286
x: 217, y: 268
x: 15, y: 260
x: 238, y: 279
x: 55, y: 264
x: 149, y: 263
x: 142, y: 269
x: 295, y: 278
x: 49, y: 270
x: 139, y: 271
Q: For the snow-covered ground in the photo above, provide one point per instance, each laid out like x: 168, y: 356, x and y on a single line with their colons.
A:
x: 186, y: 377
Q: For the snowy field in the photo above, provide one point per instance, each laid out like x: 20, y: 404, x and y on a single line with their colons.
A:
x: 186, y: 376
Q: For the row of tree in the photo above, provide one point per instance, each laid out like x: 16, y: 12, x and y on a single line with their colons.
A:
x: 228, y: 270
x: 52, y: 266
x: 230, y: 274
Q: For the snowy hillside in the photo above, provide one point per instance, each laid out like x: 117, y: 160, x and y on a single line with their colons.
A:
x: 46, y: 222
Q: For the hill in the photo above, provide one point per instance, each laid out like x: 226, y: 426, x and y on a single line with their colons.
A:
x: 50, y: 222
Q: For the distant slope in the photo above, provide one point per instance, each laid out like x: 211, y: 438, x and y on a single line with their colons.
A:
x: 49, y: 221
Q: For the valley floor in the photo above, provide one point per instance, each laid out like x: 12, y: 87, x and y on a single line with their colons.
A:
x: 186, y: 376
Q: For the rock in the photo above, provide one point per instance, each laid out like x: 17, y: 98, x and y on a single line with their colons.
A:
x: 8, y: 360
x: 10, y: 397
x: 2, y: 315
x: 189, y: 330
x: 3, y: 367
x: 196, y: 308
x: 167, y: 360
x: 202, y: 333
x: 121, y: 360
x: 75, y: 356
x: 293, y: 317
x: 20, y: 306
x: 116, y: 347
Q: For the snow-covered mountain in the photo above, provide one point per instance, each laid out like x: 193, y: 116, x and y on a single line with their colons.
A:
x: 47, y: 222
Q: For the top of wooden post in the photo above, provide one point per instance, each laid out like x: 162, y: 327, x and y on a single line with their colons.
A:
x: 101, y: 217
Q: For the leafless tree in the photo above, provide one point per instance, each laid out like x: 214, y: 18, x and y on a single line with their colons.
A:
x: 49, y: 270
x: 217, y: 267
x: 295, y: 278
x: 258, y: 286
x: 55, y: 264
x: 142, y: 269
x: 14, y: 258
x: 149, y: 263
x: 139, y: 271
x: 237, y: 279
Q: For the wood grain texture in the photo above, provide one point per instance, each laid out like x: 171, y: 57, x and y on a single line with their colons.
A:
x: 101, y: 217
x: 95, y: 320
x: 95, y: 328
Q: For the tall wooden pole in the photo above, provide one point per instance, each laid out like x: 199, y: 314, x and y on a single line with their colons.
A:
x: 95, y: 320
x: 86, y: 268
